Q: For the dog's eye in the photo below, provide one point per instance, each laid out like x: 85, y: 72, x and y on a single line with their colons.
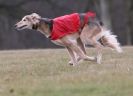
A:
x: 24, y: 20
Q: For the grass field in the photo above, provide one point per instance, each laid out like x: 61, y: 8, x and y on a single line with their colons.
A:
x: 46, y: 73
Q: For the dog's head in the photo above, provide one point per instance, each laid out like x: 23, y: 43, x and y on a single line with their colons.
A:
x: 28, y: 22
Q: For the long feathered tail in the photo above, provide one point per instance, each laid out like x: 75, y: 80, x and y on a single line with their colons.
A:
x: 110, y: 40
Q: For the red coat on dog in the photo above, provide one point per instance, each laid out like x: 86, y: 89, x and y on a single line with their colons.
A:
x: 68, y: 24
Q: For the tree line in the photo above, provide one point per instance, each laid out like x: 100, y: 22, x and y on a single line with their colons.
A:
x: 116, y: 14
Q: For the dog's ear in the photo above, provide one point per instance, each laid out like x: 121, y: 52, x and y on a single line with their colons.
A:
x: 35, y: 16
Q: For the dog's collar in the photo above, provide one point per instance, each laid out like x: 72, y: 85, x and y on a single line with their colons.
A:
x: 47, y: 21
x: 35, y: 26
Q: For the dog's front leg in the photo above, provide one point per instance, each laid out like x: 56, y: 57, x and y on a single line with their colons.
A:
x: 80, y: 53
x: 82, y: 47
x: 73, y: 60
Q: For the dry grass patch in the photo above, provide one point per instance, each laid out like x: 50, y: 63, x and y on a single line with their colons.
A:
x: 46, y: 73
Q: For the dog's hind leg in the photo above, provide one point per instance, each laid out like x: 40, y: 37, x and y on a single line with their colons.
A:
x: 98, y: 47
x: 90, y: 35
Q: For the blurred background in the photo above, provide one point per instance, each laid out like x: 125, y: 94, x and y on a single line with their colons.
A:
x: 116, y: 14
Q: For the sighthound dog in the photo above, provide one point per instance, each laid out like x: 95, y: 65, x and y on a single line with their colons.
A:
x: 73, y: 31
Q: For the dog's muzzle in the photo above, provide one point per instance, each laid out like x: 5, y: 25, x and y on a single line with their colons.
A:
x: 19, y: 28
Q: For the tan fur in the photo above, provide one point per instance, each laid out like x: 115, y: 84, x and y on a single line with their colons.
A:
x: 106, y: 43
x: 75, y: 43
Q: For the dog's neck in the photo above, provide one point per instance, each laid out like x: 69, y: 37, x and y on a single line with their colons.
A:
x: 45, y: 26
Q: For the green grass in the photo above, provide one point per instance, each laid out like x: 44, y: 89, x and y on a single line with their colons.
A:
x: 46, y: 73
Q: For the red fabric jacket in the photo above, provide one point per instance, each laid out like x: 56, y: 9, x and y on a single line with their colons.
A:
x: 67, y: 24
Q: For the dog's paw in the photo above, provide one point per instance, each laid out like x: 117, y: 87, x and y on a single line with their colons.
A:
x: 72, y: 63
x: 98, y: 60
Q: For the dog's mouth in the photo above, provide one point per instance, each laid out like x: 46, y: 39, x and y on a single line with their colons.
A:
x: 21, y: 27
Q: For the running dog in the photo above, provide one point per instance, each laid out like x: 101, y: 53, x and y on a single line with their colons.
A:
x: 73, y: 31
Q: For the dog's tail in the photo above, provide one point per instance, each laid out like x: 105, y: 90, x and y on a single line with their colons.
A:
x: 110, y: 40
